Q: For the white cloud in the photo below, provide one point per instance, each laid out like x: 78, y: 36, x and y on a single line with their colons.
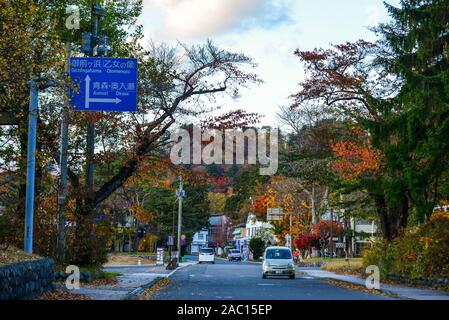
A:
x: 374, y: 15
x: 198, y: 18
x: 266, y: 30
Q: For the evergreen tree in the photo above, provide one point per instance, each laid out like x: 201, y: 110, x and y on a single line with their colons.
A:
x: 418, y: 38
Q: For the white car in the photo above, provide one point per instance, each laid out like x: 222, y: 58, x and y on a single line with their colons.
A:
x: 206, y: 255
x: 278, y: 261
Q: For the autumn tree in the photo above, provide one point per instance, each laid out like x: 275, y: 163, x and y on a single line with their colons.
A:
x: 304, y: 242
x: 33, y: 45
x: 348, y: 80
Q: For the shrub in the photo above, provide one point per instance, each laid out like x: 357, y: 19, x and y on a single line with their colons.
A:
x: 256, y: 245
x: 420, y: 252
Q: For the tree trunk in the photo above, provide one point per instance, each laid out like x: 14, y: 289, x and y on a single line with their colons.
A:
x: 393, y: 218
x: 315, y: 217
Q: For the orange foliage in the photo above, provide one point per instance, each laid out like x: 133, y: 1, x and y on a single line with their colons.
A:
x: 355, y: 158
x: 261, y: 204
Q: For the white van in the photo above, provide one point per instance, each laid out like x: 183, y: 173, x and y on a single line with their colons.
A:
x: 278, y: 261
x: 206, y: 255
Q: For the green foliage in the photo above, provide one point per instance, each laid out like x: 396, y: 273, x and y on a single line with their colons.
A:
x: 89, y: 242
x: 418, y: 40
x: 163, y: 204
x: 257, y: 246
x: 246, y: 182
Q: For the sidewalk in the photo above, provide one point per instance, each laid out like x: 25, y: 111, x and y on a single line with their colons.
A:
x: 132, y: 278
x: 403, y: 292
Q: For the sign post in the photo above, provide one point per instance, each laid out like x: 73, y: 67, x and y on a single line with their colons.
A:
x: 160, y: 257
x: 104, y: 84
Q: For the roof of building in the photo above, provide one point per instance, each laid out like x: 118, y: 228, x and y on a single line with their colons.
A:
x: 217, y: 220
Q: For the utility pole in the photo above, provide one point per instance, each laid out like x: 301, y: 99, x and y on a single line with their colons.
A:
x: 331, y: 239
x: 290, y: 233
x: 62, y: 196
x: 31, y: 165
x: 180, y: 193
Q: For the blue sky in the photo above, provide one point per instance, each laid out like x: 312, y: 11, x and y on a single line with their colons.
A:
x: 268, y: 31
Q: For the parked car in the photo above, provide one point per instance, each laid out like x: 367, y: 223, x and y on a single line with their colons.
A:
x: 327, y: 255
x: 206, y: 255
x: 234, y: 255
x: 278, y: 261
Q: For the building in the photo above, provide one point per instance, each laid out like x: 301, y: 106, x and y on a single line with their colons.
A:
x: 249, y: 230
x: 239, y: 234
x: 200, y: 239
x: 253, y: 224
x: 220, y: 231
x: 365, y: 233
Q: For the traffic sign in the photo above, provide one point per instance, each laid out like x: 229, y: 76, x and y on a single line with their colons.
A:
x: 104, y: 84
x: 275, y: 214
x: 180, y: 193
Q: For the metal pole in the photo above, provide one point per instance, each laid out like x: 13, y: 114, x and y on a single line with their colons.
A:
x: 62, y: 198
x: 179, y: 218
x: 90, y: 136
x: 31, y: 165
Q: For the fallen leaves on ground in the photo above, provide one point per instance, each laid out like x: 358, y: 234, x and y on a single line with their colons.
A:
x: 149, y: 293
x: 13, y: 255
x: 356, y: 271
x: 96, y: 283
x: 103, y: 282
x: 357, y: 287
x: 125, y: 259
x: 62, y: 295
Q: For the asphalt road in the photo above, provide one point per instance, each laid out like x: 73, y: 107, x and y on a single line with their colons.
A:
x: 243, y: 281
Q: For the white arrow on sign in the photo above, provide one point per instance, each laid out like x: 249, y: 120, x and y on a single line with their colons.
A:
x: 88, y: 99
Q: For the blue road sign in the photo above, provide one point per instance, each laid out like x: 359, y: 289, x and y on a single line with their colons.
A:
x: 104, y: 84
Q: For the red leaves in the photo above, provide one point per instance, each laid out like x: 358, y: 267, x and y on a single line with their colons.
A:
x: 355, y: 158
x: 305, y: 241
x: 232, y: 120
x: 220, y: 183
x: 316, y: 55
x: 323, y: 229
x: 337, y: 74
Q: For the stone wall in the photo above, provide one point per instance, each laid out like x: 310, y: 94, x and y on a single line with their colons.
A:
x: 26, y: 280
